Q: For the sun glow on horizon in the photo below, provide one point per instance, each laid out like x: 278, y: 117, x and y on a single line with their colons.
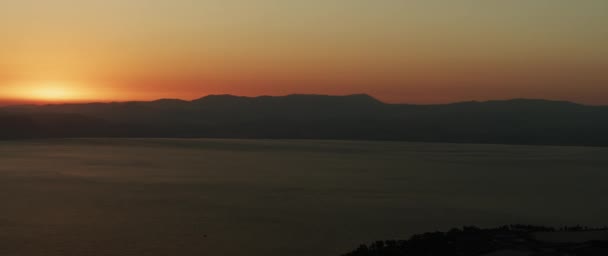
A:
x: 46, y: 91
x: 52, y: 93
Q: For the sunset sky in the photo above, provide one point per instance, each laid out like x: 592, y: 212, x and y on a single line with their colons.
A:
x: 414, y: 51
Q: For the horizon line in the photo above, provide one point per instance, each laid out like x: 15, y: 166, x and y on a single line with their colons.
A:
x: 28, y: 102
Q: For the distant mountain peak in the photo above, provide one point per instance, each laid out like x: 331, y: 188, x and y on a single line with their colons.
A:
x: 519, y: 102
x: 218, y: 97
x: 363, y: 99
x: 169, y: 100
x: 535, y: 101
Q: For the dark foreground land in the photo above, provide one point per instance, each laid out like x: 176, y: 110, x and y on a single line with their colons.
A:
x: 515, y: 240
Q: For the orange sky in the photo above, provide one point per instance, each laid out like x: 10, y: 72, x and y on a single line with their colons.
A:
x: 415, y: 51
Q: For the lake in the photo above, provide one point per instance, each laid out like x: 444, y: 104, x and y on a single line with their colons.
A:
x: 100, y: 197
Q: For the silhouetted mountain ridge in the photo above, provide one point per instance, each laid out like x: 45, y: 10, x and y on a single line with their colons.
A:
x: 298, y: 116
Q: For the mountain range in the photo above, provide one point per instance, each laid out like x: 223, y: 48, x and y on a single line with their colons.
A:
x: 352, y: 117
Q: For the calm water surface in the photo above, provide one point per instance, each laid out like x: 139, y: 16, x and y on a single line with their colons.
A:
x: 254, y: 197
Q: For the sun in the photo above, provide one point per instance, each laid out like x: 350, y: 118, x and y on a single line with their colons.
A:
x: 52, y: 93
x: 46, y: 91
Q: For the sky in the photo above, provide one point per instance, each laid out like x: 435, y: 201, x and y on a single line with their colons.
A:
x: 400, y: 51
